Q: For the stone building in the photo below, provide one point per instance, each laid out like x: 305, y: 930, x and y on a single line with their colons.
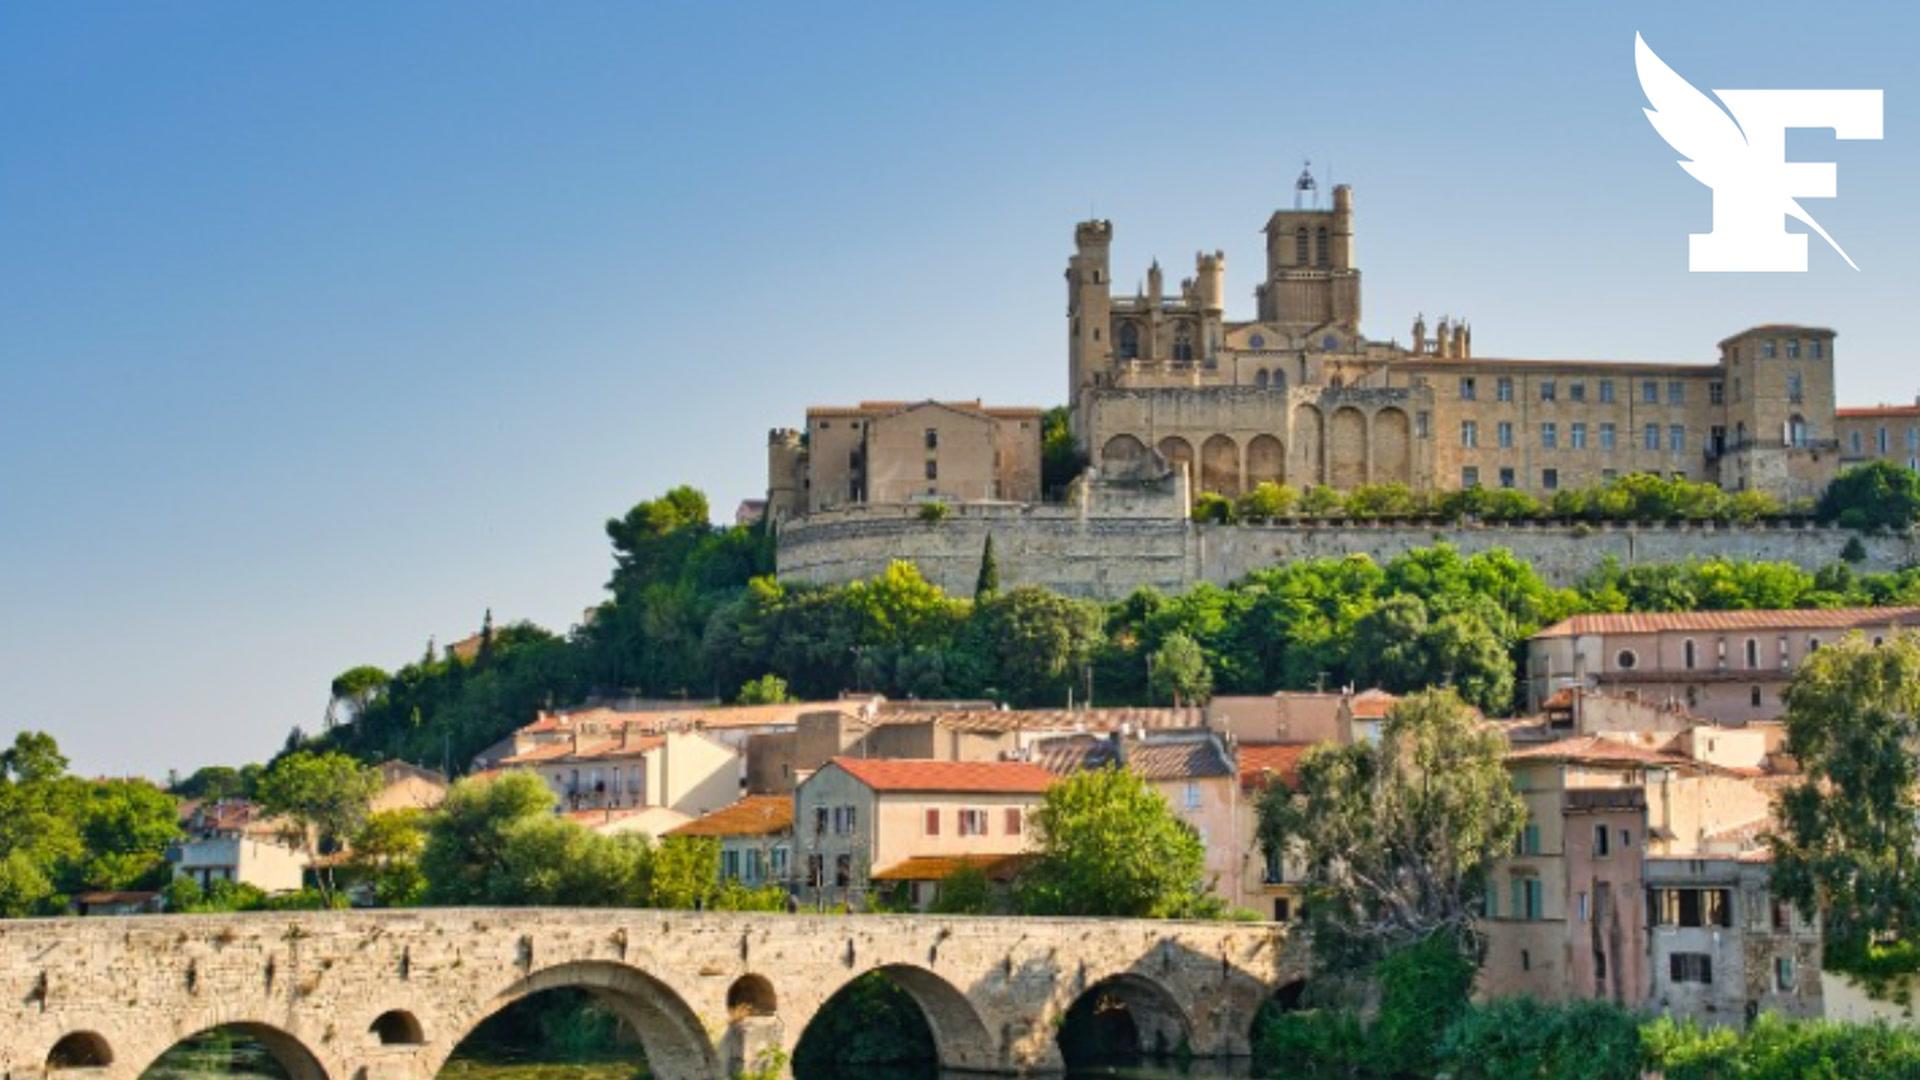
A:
x: 1723, y: 948
x: 1728, y: 667
x: 1880, y: 433
x: 890, y: 452
x: 1300, y: 395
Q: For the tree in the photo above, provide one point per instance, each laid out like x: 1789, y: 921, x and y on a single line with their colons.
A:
x: 213, y: 783
x: 386, y: 856
x: 1397, y: 835
x: 467, y: 838
x: 1036, y: 640
x: 1108, y: 845
x: 1876, y: 495
x: 965, y: 891
x: 768, y: 689
x: 1213, y: 507
x: 324, y: 797
x: 1846, y: 846
x: 352, y: 691
x: 1060, y: 457
x: 988, y: 582
x: 1180, y: 672
x: 1267, y: 501
x: 686, y: 872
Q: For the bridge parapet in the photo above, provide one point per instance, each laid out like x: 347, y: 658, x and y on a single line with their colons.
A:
x: 388, y: 995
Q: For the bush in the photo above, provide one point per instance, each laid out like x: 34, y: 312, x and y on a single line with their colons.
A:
x: 1423, y: 989
x: 1311, y: 1044
x: 1877, y: 495
x: 1213, y: 507
x: 1582, y: 1040
x: 935, y: 512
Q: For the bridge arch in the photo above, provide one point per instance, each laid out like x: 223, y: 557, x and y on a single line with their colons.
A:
x: 80, y: 1050
x: 397, y: 1027
x: 961, y: 1038
x: 1129, y: 1010
x: 671, y: 1035
x: 293, y: 1055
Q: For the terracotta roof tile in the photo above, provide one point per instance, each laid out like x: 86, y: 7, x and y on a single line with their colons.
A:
x: 1793, y: 619
x: 1594, y: 750
x: 1153, y: 760
x: 1262, y: 764
x: 1373, y: 704
x: 940, y: 867
x: 755, y: 815
x: 978, y: 777
x: 1873, y: 412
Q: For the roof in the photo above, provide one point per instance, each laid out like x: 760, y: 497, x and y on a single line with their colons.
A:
x: 122, y: 896
x: 755, y: 815
x: 877, y: 408
x: 1373, y: 704
x: 1594, y: 750
x: 1795, y: 619
x: 973, y: 777
x: 940, y: 867
x: 1152, y: 760
x: 998, y: 720
x: 1262, y: 764
x: 586, y: 750
x: 1430, y: 362
x: 1873, y: 412
x: 696, y: 716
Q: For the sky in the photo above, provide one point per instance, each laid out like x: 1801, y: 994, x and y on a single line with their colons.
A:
x: 325, y: 328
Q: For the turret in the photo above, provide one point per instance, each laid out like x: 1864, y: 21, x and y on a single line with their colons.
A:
x: 786, y: 475
x: 1089, y: 310
x: 1154, y: 283
x: 1343, y: 257
x: 1419, y: 334
x: 1211, y: 280
x: 1443, y: 339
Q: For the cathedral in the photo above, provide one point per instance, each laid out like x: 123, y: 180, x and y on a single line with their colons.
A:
x: 1300, y: 395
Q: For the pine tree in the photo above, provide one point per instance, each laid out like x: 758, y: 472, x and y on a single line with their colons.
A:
x: 484, y: 655
x: 988, y: 582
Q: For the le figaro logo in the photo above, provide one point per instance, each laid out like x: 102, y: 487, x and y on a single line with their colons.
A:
x: 1740, y: 152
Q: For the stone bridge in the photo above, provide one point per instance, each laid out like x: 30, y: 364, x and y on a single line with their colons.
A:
x: 389, y: 995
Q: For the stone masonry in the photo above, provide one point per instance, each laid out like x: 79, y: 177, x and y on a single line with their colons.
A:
x: 389, y: 995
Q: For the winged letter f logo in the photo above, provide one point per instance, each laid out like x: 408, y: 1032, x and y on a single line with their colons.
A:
x: 1741, y: 153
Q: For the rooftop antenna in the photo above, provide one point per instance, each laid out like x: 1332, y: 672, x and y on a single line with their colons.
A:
x: 1306, y: 193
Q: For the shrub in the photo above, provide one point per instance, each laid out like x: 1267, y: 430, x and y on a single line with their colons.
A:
x: 1423, y: 988
x: 1582, y: 1040
x: 1311, y: 1044
x: 935, y: 511
x: 1876, y: 495
x: 1211, y: 506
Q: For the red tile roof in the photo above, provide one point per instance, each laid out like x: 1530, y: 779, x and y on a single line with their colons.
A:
x: 1594, y: 750
x: 1155, y: 760
x: 1373, y: 704
x: 755, y: 815
x: 1872, y: 412
x: 1792, y: 619
x: 1262, y: 764
x: 975, y: 777
x: 940, y: 867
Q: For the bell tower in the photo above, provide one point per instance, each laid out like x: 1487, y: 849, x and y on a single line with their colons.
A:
x: 1313, y: 276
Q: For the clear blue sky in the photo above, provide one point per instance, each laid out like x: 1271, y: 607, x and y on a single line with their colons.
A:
x: 323, y: 329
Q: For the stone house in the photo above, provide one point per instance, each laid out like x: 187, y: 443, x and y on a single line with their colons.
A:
x: 234, y: 840
x: 856, y: 818
x: 1269, y: 881
x: 1723, y: 948
x: 687, y: 772
x: 893, y: 452
x: 1301, y: 717
x: 755, y: 836
x: 407, y: 787
x: 1727, y: 667
x: 1879, y: 433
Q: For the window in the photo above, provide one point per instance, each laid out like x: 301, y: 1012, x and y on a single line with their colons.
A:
x: 1585, y: 915
x: 1690, y: 967
x: 1650, y: 437
x: 1782, y: 916
x: 816, y: 871
x: 1260, y: 379
x: 1600, y: 847
x: 1577, y: 436
x: 1302, y: 254
x: 1793, y: 348
x: 1796, y: 388
x: 1549, y: 436
x: 1325, y: 255
x: 1608, y: 437
x: 1504, y: 434
x: 1755, y: 696
x: 1783, y: 973
x: 933, y: 469
x: 1690, y: 907
x: 933, y: 438
x: 1550, y: 479
x: 1797, y: 432
x: 1468, y: 388
x: 730, y: 864
x: 1282, y: 910
x: 1883, y: 440
x: 1676, y: 438
x: 1577, y: 391
x: 1276, y: 866
x: 932, y: 827
x: 1649, y: 392
x: 973, y: 823
x: 1769, y: 349
x: 1814, y: 348
x: 1014, y: 821
x: 843, y: 870
x: 1599, y: 963
x: 1530, y: 839
x: 1627, y: 660
x: 1753, y: 653
x: 1813, y: 644
x: 1606, y: 391
x: 1422, y: 424
x: 1547, y: 390
x: 1717, y: 393
x: 1503, y: 389
x: 1182, y: 343
x: 1526, y: 893
x: 1690, y: 654
x: 1676, y: 393
x: 1469, y: 476
x: 1507, y: 479
x: 820, y: 820
x: 1469, y: 434
x: 1127, y: 341
x: 1191, y: 795
x: 777, y: 862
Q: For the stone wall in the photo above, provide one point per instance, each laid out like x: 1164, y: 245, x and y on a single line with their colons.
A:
x: 1106, y: 556
x: 389, y: 995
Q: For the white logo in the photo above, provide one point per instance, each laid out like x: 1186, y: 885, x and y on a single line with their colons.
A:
x: 1743, y: 158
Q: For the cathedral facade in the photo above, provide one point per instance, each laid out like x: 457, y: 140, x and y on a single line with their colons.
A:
x: 1301, y: 396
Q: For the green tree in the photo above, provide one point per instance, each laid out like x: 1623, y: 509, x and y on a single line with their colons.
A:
x: 988, y: 581
x: 467, y: 837
x: 1109, y: 845
x: 352, y: 691
x: 1213, y: 507
x: 1037, y: 641
x: 1847, y: 838
x: 1398, y: 833
x: 125, y: 826
x: 1876, y: 495
x: 213, y: 783
x: 965, y: 891
x: 1180, y: 672
x: 1060, y: 458
x: 386, y: 855
x: 324, y: 797
x: 686, y: 872
x: 1267, y: 501
x: 768, y: 689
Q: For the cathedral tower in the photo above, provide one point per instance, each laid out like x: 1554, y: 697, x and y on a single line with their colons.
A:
x: 1313, y: 277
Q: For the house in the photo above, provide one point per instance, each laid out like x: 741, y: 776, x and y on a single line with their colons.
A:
x: 756, y: 839
x: 652, y: 822
x: 407, y: 787
x: 1300, y: 718
x: 123, y: 902
x: 1269, y: 881
x: 1724, y: 949
x: 857, y: 820
x: 1726, y: 667
x: 683, y: 771
x: 234, y: 840
x: 1192, y: 771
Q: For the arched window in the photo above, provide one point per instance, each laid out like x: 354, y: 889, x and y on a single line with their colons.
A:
x: 1690, y: 654
x: 1753, y: 653
x: 1301, y: 255
x: 1797, y: 430
x: 1279, y: 379
x: 1260, y: 378
x: 1324, y: 254
x: 1183, y: 342
x: 1127, y: 340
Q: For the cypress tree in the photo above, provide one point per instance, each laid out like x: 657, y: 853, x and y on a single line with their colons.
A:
x: 988, y: 583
